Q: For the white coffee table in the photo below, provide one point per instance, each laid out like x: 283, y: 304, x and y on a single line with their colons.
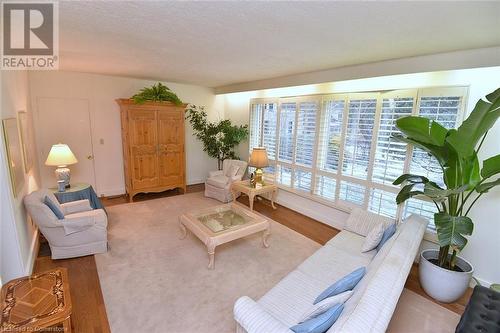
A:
x: 222, y: 224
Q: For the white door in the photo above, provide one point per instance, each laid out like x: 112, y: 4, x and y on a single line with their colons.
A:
x: 61, y: 120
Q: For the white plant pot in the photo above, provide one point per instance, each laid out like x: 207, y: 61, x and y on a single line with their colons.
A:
x: 440, y: 283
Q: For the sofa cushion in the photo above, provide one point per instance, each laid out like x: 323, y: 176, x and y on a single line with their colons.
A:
x: 321, y: 323
x: 388, y: 232
x: 325, y: 305
x: 292, y: 297
x: 351, y: 243
x: 348, y: 282
x: 373, y: 238
x: 54, y: 207
x: 219, y: 181
x: 361, y: 221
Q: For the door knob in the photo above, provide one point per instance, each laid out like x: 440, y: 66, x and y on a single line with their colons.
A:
x: 90, y: 157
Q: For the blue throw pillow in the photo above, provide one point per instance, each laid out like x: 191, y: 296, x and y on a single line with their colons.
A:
x: 388, y: 232
x: 53, y: 207
x: 348, y: 282
x: 320, y: 323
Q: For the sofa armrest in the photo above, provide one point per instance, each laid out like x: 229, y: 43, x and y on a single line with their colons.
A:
x: 255, y: 319
x: 76, y: 206
x: 215, y: 173
x: 81, y: 221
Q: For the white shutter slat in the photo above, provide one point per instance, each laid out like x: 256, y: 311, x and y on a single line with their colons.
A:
x: 287, y: 132
x: 390, y: 155
x: 325, y: 187
x: 330, y: 135
x: 351, y: 192
x: 306, y: 133
x: 357, y: 147
x: 269, y: 129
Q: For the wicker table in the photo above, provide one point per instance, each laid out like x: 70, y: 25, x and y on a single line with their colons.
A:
x: 39, y: 301
x: 221, y: 224
x: 244, y: 186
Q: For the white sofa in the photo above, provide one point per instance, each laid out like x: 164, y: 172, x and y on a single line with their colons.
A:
x: 83, y: 231
x: 218, y: 183
x: 374, y: 299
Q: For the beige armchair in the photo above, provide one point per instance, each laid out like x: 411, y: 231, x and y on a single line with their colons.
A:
x: 82, y: 231
x: 218, y: 183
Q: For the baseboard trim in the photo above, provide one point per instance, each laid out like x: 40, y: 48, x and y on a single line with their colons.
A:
x: 35, y: 246
x: 195, y: 181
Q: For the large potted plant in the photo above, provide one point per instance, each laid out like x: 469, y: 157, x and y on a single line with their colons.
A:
x: 219, y: 138
x: 443, y: 274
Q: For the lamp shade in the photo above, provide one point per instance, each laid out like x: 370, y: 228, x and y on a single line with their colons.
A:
x: 60, y: 155
x: 258, y: 159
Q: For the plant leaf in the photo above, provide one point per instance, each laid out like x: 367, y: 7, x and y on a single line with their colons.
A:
x: 438, y: 152
x: 485, y: 187
x: 491, y: 166
x: 451, y: 230
x: 422, y: 129
x: 439, y: 194
x: 410, y: 178
x: 406, y: 193
x: 481, y: 119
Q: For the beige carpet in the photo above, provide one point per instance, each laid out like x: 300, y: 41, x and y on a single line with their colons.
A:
x: 153, y: 281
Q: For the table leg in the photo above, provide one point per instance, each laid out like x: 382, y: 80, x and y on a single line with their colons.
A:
x: 67, y: 325
x: 211, y: 255
x: 273, y: 198
x: 183, y: 229
x: 250, y: 200
x: 265, y: 236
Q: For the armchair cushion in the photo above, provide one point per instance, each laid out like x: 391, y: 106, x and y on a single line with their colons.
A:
x: 215, y: 173
x: 232, y: 171
x: 81, y: 221
x: 55, y: 207
x: 219, y: 181
x: 76, y: 206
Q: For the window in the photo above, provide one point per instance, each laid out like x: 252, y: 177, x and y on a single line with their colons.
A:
x: 340, y: 148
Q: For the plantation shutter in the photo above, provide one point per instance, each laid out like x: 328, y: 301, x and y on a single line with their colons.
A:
x: 269, y: 129
x: 390, y: 154
x: 287, y: 132
x: 255, y: 126
x: 443, y: 105
x: 330, y: 135
x: 359, y: 135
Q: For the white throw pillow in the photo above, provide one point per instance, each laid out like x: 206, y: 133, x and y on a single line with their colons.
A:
x: 232, y: 171
x: 325, y: 305
x: 373, y: 238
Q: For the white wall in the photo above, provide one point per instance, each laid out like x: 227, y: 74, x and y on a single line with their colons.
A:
x: 484, y: 247
x: 18, y: 235
x: 101, y: 91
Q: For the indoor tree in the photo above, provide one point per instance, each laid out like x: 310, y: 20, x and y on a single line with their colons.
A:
x: 456, y: 150
x: 219, y: 138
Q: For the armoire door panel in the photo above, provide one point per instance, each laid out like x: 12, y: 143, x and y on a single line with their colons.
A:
x: 170, y: 147
x: 143, y: 135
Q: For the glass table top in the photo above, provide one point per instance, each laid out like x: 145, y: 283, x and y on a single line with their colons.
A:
x: 223, y: 218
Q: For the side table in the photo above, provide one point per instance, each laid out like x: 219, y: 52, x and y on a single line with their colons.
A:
x: 35, y: 302
x: 78, y: 191
x: 244, y: 186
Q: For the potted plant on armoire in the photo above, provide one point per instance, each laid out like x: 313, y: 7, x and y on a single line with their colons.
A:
x: 445, y: 275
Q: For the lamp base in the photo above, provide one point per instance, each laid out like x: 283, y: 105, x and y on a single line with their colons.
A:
x: 63, y: 173
x: 258, y: 176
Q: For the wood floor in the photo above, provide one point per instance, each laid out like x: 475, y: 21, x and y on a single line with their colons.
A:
x: 89, y: 313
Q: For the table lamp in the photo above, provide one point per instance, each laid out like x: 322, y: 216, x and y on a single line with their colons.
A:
x: 259, y: 160
x: 61, y: 156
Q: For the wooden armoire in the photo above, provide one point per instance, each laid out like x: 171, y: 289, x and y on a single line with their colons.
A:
x: 153, y: 146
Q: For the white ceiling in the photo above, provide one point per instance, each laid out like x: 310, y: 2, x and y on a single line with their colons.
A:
x: 220, y: 43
